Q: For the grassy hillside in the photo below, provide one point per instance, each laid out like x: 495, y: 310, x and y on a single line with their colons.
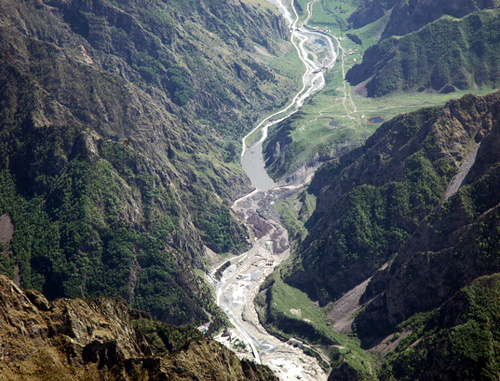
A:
x: 338, y: 118
x: 433, y: 58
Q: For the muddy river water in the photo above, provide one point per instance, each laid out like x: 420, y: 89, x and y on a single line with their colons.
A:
x: 253, y: 165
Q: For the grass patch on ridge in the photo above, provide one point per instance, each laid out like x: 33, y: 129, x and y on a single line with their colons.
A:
x: 289, y: 306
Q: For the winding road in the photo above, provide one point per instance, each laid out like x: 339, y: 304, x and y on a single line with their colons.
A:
x: 240, y: 282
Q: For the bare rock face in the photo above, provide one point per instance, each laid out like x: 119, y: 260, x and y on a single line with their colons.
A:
x: 29, y: 322
x: 99, y: 339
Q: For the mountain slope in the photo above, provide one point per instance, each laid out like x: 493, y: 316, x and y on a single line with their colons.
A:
x: 403, y: 247
x: 459, y: 340
x: 118, y: 129
x: 403, y: 235
x: 409, y: 16
x: 433, y: 58
x: 455, y: 244
x: 370, y: 11
x: 102, y: 339
x: 371, y: 200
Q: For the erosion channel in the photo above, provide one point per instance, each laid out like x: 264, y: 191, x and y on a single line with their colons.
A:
x: 240, y: 282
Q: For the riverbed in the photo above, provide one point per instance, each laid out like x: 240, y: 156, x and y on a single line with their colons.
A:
x: 241, y: 281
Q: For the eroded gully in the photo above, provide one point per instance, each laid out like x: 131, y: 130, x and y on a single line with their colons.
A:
x: 241, y: 281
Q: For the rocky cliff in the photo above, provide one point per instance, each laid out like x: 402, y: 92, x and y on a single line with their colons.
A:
x: 101, y: 339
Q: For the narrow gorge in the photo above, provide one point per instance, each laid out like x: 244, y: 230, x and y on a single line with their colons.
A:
x: 240, y: 282
x: 249, y: 190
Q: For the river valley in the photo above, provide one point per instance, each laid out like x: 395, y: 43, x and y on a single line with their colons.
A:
x: 240, y: 282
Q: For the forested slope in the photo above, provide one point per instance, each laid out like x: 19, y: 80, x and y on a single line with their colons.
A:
x: 119, y: 121
x: 372, y: 200
x: 408, y: 16
x: 416, y: 208
x: 445, y: 55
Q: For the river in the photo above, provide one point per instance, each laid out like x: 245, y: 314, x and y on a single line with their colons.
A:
x: 241, y: 281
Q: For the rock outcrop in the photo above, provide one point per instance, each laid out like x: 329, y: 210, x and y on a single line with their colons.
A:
x: 99, y: 339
